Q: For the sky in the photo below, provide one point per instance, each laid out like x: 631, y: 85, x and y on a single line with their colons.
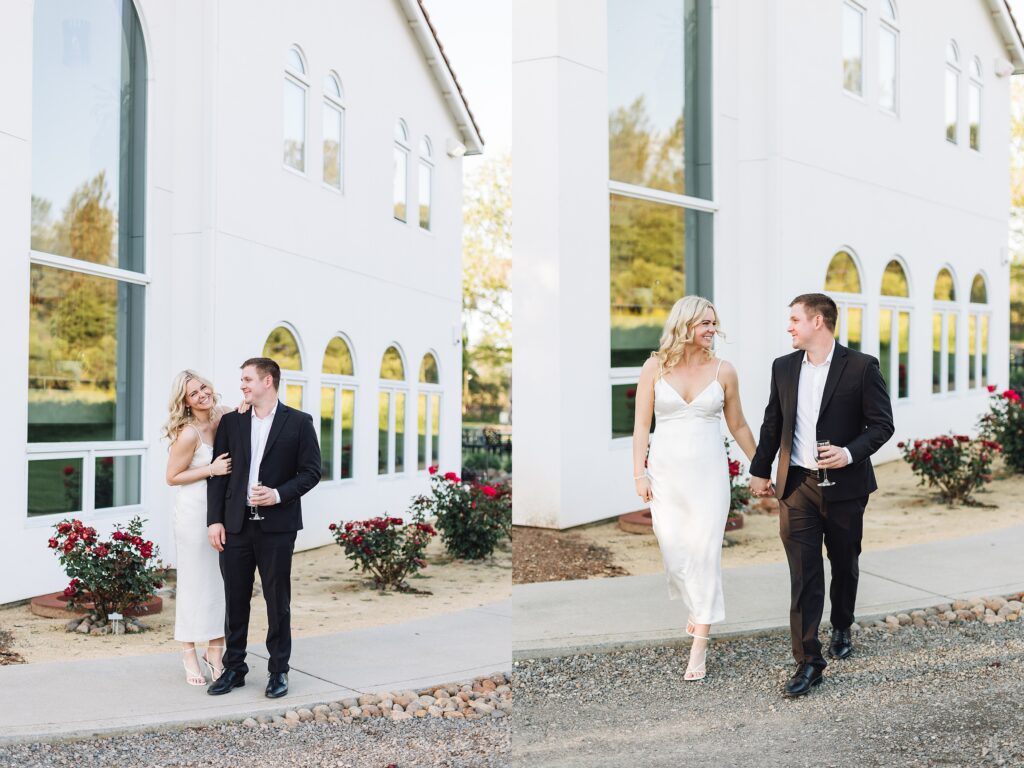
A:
x: 476, y: 37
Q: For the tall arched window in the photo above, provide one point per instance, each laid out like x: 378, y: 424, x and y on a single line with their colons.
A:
x: 337, y: 411
x: 952, y: 91
x: 978, y: 315
x: 945, y: 317
x: 282, y: 347
x: 296, y: 85
x: 88, y: 274
x: 400, y: 171
x: 853, y: 48
x: 974, y: 104
x: 391, y: 413
x: 334, y: 132
x: 842, y: 283
x: 426, y: 181
x: 888, y: 58
x: 894, y: 330
x: 428, y: 435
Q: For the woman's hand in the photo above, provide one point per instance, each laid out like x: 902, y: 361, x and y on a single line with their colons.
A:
x: 643, y: 488
x: 242, y: 407
x: 221, y: 465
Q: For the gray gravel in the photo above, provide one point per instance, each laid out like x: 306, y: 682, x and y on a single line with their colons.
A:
x: 917, y: 696
x: 373, y: 744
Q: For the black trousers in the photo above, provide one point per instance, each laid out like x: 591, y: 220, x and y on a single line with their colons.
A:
x: 270, y: 553
x: 805, y: 521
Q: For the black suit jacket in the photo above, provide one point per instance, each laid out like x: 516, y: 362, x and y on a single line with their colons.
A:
x: 291, y: 466
x: 856, y: 413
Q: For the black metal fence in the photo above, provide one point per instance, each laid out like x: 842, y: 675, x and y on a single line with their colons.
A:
x: 487, y: 448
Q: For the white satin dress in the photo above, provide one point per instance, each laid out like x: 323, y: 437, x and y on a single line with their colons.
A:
x: 689, y: 474
x: 199, y: 601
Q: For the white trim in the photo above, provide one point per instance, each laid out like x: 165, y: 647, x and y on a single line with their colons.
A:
x: 660, y: 196
x: 88, y: 268
x: 862, y: 11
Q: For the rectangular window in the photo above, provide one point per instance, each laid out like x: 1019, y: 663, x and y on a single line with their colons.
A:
x: 854, y: 327
x: 936, y: 352
x: 904, y: 355
x: 435, y: 428
x: 425, y: 184
x: 293, y: 396
x: 399, y: 432
x: 399, y: 184
x: 984, y: 350
x: 294, y: 125
x: 974, y: 115
x: 853, y: 49
x: 885, y: 346
x: 332, y: 146
x: 54, y: 486
x: 348, y: 411
x: 887, y: 69
x: 328, y: 398
x: 624, y: 409
x: 952, y: 104
x: 117, y: 481
x: 421, y: 431
x: 383, y: 433
x: 972, y: 351
x: 951, y: 352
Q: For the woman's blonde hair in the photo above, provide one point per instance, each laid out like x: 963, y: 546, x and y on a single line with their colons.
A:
x: 180, y: 414
x: 679, y: 329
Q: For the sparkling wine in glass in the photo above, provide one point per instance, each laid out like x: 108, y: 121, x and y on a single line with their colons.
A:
x: 825, y: 482
x: 257, y: 515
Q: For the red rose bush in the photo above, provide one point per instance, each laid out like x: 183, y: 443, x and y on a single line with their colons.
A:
x: 387, y: 548
x: 955, y: 464
x: 1004, y: 424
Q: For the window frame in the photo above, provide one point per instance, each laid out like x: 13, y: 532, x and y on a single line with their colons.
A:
x: 301, y: 81
x: 891, y: 27
x: 429, y: 389
x: 393, y: 387
x: 845, y: 301
x: 336, y: 104
x: 289, y: 376
x: 897, y: 305
x: 979, y: 310
x: 953, y: 68
x: 861, y: 11
x: 340, y: 383
x: 426, y: 165
x: 976, y: 85
x: 947, y: 310
x: 401, y: 145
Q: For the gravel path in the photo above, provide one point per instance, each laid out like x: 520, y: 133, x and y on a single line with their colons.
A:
x: 373, y: 744
x: 916, y: 696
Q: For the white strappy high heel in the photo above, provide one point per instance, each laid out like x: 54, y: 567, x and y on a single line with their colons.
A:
x: 191, y: 677
x: 215, y: 672
x: 696, y: 672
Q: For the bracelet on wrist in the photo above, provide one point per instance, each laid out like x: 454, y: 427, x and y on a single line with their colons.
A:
x: 640, y: 477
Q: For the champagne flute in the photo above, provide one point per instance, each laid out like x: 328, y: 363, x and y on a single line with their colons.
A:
x: 825, y: 482
x: 258, y: 487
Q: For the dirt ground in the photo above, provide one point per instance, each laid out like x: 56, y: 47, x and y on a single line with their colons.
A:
x: 901, y: 513
x: 326, y: 597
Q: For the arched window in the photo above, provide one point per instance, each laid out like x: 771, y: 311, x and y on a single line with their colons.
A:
x: 853, y: 48
x: 974, y: 104
x: 391, y: 413
x: 400, y: 171
x: 426, y: 181
x: 894, y: 330
x: 428, y: 436
x: 282, y: 347
x: 296, y: 84
x: 888, y: 58
x: 334, y: 132
x: 952, y: 91
x: 337, y: 411
x: 88, y: 279
x: 978, y: 316
x: 842, y: 283
x: 945, y: 318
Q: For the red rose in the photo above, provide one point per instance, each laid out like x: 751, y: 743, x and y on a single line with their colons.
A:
x: 137, y: 541
x: 117, y: 536
x: 158, y: 584
x: 332, y: 527
x: 52, y: 543
x: 68, y: 591
x: 348, y: 526
x: 63, y: 527
x: 991, y: 387
x: 900, y: 445
x: 69, y: 470
x: 432, y: 469
x: 927, y: 456
x: 108, y: 460
x: 452, y: 477
x: 631, y: 393
x: 75, y: 582
x: 488, y: 491
x: 357, y: 540
x: 101, y: 551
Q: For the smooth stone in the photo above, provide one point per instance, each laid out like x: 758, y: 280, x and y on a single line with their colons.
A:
x: 250, y: 722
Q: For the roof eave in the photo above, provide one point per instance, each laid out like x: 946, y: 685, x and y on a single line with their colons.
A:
x: 1005, y: 22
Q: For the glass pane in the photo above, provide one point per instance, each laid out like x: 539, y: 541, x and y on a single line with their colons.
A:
x: 648, y: 275
x: 885, y: 346
x: 391, y: 366
x: 425, y: 172
x: 332, y: 146
x: 837, y: 332
x: 327, y: 404
x: 85, y: 358
x: 944, y: 288
x: 952, y: 54
x: 294, y: 125
x: 293, y: 396
x: 435, y: 429
x: 854, y: 327
x: 976, y: 68
x: 399, y: 432
x: 979, y: 292
x: 425, y: 149
x: 282, y: 347
x: 974, y: 115
x: 401, y: 132
x: 972, y: 351
x: 984, y: 350
x: 894, y: 280
x: 853, y: 49
x: 89, y: 132
x: 842, y: 276
x: 952, y: 104
x: 348, y: 414
x: 421, y: 431
x: 624, y: 410
x: 888, y: 11
x: 331, y: 87
x: 293, y: 60
x: 118, y: 481
x: 904, y: 370
x: 54, y: 486
x: 428, y: 369
x: 338, y: 358
x: 659, y: 94
x: 887, y: 52
x: 383, y: 414
x: 951, y: 352
x: 936, y: 352
x: 399, y: 183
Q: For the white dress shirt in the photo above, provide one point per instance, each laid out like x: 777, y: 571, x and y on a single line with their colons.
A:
x: 808, y: 406
x: 259, y: 431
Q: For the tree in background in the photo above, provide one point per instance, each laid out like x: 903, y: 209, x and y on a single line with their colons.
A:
x: 486, y: 296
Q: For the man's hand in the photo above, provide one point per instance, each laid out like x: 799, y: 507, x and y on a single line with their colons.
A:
x: 262, y: 496
x: 833, y: 457
x: 761, y: 486
x: 217, y: 536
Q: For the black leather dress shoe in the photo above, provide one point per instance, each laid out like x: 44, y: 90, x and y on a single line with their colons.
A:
x: 277, y: 685
x: 226, y: 682
x: 807, y: 676
x: 841, y: 645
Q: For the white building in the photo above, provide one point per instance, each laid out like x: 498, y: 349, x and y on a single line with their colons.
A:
x: 750, y: 152
x: 210, y: 180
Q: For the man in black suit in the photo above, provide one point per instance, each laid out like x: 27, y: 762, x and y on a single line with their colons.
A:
x: 823, y: 391
x: 254, y: 513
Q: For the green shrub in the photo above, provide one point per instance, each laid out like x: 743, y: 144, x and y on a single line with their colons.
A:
x: 1004, y: 424
x: 472, y: 518
x: 955, y: 464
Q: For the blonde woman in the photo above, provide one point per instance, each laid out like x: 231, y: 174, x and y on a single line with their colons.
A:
x: 199, y: 605
x: 685, y: 477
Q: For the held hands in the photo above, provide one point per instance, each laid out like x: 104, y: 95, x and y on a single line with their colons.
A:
x: 262, y: 496
x: 761, y: 486
x: 643, y: 488
x: 833, y: 457
x: 221, y: 465
x: 217, y: 536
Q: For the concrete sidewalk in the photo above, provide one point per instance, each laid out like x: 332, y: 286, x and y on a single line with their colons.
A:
x: 564, y: 617
x: 81, y: 698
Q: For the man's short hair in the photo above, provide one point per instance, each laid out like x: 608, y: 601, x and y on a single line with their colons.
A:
x: 819, y: 304
x: 265, y: 367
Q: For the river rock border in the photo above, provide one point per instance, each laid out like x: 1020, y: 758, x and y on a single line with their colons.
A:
x: 488, y: 696
x: 984, y: 610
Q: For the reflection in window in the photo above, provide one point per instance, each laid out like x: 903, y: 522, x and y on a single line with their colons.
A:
x: 54, y: 486
x: 295, y: 87
x: 944, y: 322
x: 888, y: 58
x: 384, y: 433
x: 894, y: 280
x: 333, y: 131
x: 972, y: 351
x: 427, y: 417
x: 337, y: 411
x: 843, y: 275
x: 978, y: 321
x: 979, y: 291
x: 894, y: 330
x: 400, y: 171
x: 391, y: 413
x: 399, y: 432
x: 974, y: 105
x: 391, y: 366
x: 853, y: 49
x: 426, y: 182
x: 952, y: 91
x: 117, y: 481
x: 842, y: 282
x: 283, y: 349
x: 624, y: 409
